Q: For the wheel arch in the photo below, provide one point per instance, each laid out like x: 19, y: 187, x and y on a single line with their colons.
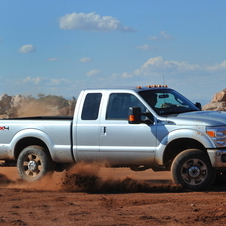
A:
x: 29, y: 141
x: 30, y: 137
x: 179, y: 140
x: 175, y: 147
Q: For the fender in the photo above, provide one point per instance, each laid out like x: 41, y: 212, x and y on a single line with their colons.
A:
x: 58, y: 153
x: 197, y: 135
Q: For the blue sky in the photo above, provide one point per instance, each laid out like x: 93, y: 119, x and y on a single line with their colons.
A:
x: 60, y: 47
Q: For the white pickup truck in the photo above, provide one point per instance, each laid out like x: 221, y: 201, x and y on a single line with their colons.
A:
x: 137, y: 127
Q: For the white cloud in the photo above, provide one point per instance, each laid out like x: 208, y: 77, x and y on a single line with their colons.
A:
x: 84, y: 60
x: 157, y: 65
x: 52, y: 59
x: 91, y: 22
x: 217, y: 67
x: 29, y: 79
x: 146, y: 47
x: 42, y: 81
x: 93, y: 73
x: 35, y: 85
x: 57, y: 82
x: 27, y: 49
x: 163, y: 36
x: 153, y: 38
x: 126, y: 75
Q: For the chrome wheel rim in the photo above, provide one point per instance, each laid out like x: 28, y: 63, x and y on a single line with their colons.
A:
x: 194, y: 171
x: 32, y: 165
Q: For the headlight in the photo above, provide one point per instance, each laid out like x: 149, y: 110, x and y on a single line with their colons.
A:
x: 218, y: 135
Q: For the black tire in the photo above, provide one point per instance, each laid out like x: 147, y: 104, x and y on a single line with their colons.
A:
x: 34, y: 163
x: 193, y: 170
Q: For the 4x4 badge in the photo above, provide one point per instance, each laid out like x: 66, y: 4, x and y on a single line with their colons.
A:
x: 4, y: 128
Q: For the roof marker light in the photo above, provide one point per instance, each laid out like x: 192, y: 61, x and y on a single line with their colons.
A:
x: 153, y: 86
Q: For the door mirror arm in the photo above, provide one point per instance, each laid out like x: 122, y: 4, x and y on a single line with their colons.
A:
x: 149, y: 118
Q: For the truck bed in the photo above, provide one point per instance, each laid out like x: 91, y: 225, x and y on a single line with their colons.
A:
x: 43, y: 118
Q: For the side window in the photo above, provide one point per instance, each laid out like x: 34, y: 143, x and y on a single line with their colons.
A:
x: 91, y: 106
x: 118, y: 105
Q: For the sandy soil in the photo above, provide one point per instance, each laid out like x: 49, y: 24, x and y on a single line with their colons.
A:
x: 89, y: 195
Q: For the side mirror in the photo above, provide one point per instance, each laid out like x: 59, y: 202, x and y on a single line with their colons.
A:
x: 134, y: 115
x: 198, y: 105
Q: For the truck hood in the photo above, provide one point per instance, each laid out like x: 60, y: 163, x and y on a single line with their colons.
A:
x: 207, y: 118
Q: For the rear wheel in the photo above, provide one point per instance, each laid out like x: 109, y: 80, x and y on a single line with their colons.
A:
x: 34, y: 163
x: 192, y: 169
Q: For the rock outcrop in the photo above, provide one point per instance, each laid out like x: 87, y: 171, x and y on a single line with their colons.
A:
x: 218, y: 102
x: 21, y: 106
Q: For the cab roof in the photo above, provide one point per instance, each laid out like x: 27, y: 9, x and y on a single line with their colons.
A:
x: 134, y: 88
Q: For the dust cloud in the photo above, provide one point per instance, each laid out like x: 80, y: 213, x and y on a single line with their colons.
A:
x: 88, y: 178
x: 38, y: 109
x: 91, y: 178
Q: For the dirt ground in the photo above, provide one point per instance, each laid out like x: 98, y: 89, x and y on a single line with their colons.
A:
x: 89, y: 195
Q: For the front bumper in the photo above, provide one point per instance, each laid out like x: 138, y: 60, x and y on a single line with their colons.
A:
x: 217, y: 158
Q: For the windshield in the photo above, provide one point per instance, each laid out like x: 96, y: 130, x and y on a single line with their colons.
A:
x: 167, y: 101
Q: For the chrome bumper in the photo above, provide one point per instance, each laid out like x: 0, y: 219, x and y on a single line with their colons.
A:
x: 216, y: 157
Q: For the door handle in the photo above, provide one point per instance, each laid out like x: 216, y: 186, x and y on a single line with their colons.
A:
x: 103, y: 130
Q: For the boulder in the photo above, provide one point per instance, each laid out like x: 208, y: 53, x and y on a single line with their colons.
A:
x: 218, y: 102
x: 17, y: 101
x: 215, y: 106
x: 4, y: 103
x: 221, y: 96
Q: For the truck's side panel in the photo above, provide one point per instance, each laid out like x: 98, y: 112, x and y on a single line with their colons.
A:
x: 54, y: 133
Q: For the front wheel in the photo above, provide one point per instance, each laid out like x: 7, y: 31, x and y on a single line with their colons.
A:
x: 193, y: 170
x: 34, y: 163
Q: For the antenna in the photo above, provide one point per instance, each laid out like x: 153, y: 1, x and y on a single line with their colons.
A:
x: 163, y: 77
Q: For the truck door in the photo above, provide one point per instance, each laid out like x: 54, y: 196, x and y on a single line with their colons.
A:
x: 121, y: 142
x: 86, y: 133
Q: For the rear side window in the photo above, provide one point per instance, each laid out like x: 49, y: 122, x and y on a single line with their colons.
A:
x: 91, y: 106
